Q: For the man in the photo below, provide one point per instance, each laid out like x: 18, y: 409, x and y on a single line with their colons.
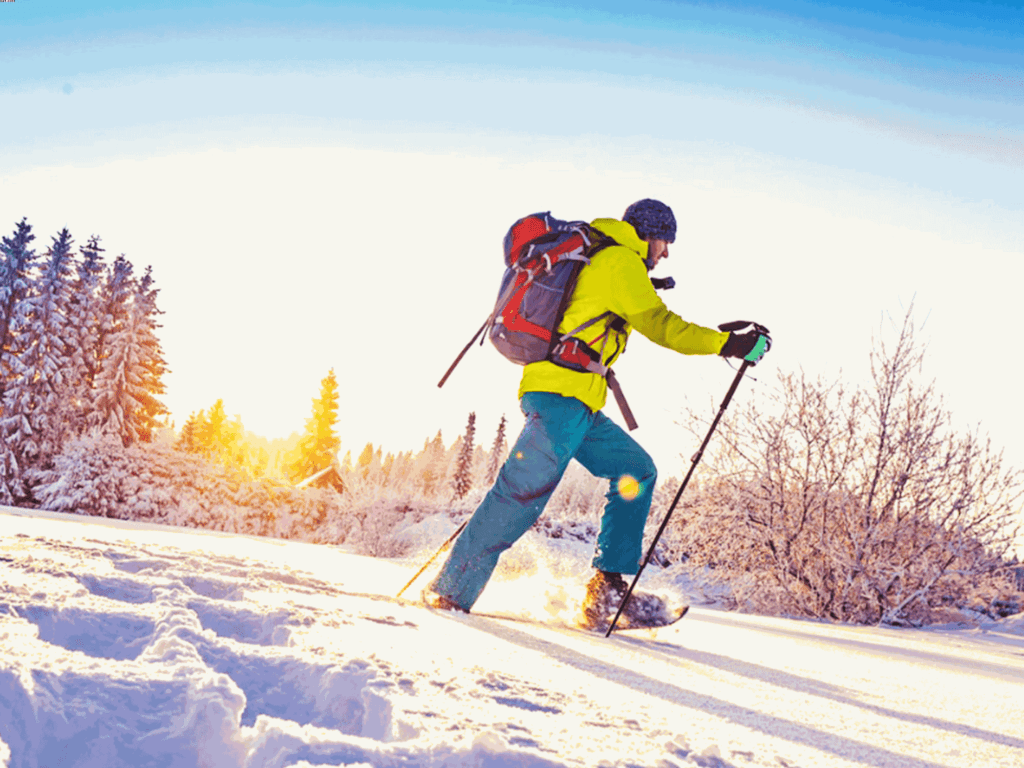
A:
x: 564, y: 420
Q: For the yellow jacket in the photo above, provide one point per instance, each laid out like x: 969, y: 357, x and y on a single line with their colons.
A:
x: 616, y: 280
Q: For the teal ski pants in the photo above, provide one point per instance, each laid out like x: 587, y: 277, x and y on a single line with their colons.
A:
x: 557, y: 430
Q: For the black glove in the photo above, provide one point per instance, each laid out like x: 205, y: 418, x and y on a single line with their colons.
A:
x: 747, y: 340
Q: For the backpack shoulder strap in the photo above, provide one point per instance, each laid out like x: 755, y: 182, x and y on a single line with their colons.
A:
x: 596, y: 239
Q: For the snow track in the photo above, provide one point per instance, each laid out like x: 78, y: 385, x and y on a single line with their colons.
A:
x: 129, y: 645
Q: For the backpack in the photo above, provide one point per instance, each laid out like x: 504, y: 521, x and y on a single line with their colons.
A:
x: 543, y: 260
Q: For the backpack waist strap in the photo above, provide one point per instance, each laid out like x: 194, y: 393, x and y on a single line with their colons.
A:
x: 576, y: 355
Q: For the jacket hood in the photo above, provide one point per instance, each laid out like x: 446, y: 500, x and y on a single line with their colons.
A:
x: 623, y: 233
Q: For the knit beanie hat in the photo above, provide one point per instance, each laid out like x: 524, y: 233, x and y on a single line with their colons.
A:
x: 651, y: 219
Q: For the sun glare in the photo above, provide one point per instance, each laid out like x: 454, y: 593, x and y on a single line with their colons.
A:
x: 628, y: 487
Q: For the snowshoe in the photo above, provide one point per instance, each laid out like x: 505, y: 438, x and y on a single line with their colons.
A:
x: 644, y: 609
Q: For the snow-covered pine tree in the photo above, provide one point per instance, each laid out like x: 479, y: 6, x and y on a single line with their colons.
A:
x: 498, y: 451
x: 207, y: 433
x: 35, y: 401
x: 462, y: 478
x: 131, y: 361
x: 319, y: 444
x: 115, y: 292
x: 84, y: 320
x: 400, y: 471
x: 187, y: 437
x: 17, y: 262
x: 224, y: 441
x: 151, y: 366
x: 432, y: 467
x: 365, y: 459
x: 105, y: 376
x: 479, y: 463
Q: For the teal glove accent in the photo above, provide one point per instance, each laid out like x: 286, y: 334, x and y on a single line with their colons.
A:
x: 748, y: 341
x: 758, y: 351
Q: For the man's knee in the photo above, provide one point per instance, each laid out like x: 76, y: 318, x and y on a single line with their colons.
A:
x: 643, y: 467
x: 648, y: 470
x: 637, y: 482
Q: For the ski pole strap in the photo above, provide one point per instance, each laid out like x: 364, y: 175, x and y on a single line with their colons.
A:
x: 620, y: 399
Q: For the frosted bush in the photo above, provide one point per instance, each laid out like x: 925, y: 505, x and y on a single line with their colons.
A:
x: 855, y: 505
x: 149, y: 482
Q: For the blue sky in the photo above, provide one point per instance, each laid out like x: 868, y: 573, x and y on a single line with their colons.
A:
x: 951, y: 75
x: 296, y: 173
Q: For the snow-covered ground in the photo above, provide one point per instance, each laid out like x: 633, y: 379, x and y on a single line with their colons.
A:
x: 133, y: 645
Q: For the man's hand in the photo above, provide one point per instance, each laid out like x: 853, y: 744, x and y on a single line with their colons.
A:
x: 747, y: 340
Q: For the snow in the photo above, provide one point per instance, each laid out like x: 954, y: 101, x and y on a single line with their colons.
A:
x: 128, y: 644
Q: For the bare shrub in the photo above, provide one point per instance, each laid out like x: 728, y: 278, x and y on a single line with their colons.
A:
x: 859, y: 505
x: 375, y: 527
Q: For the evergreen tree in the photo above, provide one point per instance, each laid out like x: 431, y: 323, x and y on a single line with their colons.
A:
x: 365, y: 459
x: 222, y: 440
x: 432, y: 466
x: 319, y: 444
x: 112, y: 302
x: 188, y: 437
x: 106, y: 392
x: 400, y: 469
x: 498, y: 451
x: 83, y: 315
x: 130, y: 359
x: 150, y: 364
x: 462, y: 479
x: 210, y: 432
x: 34, y: 403
x: 17, y: 261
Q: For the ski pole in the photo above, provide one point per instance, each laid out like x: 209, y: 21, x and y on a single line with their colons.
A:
x: 693, y: 465
x: 432, y: 559
x: 462, y: 354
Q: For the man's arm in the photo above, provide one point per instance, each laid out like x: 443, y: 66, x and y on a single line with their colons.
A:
x: 634, y: 298
x: 663, y: 326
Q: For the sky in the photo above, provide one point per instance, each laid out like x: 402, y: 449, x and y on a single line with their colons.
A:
x: 325, y: 186
x: 130, y: 644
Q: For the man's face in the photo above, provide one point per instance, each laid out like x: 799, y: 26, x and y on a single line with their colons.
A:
x: 656, y: 251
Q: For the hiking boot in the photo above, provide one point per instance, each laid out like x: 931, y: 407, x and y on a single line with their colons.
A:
x: 441, y: 602
x: 604, y: 593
